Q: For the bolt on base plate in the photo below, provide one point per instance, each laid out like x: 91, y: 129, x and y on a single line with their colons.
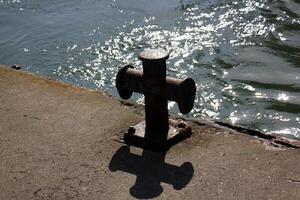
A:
x: 178, y: 131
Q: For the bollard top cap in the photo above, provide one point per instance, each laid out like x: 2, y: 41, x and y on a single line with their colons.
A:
x: 154, y: 55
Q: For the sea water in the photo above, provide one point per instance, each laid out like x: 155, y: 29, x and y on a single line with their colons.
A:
x: 244, y: 55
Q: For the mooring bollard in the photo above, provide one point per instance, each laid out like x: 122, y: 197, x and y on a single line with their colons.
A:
x: 157, y: 133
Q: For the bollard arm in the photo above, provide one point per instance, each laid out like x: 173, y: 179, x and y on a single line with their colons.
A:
x: 186, y: 95
x: 182, y: 91
x: 121, y: 83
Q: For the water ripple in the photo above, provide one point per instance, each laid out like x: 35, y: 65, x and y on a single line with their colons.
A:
x: 243, y: 55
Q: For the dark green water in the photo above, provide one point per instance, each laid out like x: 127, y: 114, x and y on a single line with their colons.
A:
x: 244, y: 55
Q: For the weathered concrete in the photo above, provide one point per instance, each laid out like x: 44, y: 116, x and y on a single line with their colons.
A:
x: 58, y: 142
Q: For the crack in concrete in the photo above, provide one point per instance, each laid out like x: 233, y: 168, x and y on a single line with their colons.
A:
x: 19, y: 171
x: 274, y: 140
x: 293, y: 180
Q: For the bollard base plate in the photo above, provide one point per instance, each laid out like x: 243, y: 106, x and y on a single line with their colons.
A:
x: 178, y: 131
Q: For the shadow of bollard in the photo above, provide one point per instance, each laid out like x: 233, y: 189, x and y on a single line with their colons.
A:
x: 150, y: 170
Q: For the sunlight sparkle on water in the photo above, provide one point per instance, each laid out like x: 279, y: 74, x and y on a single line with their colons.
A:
x: 204, y: 44
x: 282, y: 97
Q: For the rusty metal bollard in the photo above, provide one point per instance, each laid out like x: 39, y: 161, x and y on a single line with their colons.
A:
x: 157, y: 133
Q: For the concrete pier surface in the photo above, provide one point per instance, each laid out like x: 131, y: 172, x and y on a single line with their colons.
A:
x: 62, y: 142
